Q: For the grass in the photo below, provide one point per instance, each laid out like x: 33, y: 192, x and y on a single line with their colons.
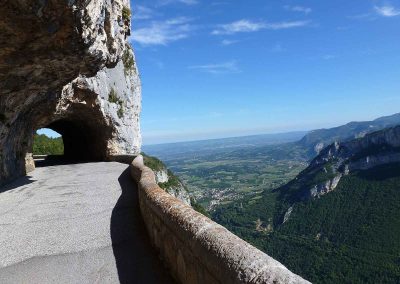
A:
x: 113, y: 98
x: 126, y: 14
x: 153, y: 163
x: 173, y: 181
x: 129, y: 62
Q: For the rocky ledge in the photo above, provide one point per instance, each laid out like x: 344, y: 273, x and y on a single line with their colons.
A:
x: 340, y: 159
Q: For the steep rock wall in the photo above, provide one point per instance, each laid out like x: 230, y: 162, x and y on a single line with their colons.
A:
x: 171, y: 184
x: 341, y: 158
x: 66, y: 65
x: 372, y: 150
x: 167, y: 180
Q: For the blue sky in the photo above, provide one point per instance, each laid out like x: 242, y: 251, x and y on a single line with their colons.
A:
x: 227, y: 68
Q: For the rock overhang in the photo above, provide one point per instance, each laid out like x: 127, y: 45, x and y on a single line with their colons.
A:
x: 59, y: 61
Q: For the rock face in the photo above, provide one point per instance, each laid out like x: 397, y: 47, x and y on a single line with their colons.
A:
x: 171, y: 184
x: 334, y: 165
x: 325, y: 187
x: 340, y: 159
x: 372, y: 150
x: 161, y: 176
x: 167, y: 180
x: 66, y: 65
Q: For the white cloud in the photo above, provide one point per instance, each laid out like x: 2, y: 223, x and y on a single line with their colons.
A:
x: 387, y: 11
x: 249, y: 26
x: 163, y: 32
x: 220, y: 68
x: 286, y: 25
x: 228, y: 42
x: 188, y: 2
x: 142, y: 13
x: 300, y: 9
x: 239, y: 26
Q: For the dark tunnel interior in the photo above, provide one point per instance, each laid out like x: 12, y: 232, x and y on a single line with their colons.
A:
x: 83, y: 141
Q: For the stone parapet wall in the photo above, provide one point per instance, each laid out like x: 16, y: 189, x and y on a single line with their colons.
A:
x: 194, y: 248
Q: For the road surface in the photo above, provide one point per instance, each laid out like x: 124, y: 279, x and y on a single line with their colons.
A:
x: 77, y: 223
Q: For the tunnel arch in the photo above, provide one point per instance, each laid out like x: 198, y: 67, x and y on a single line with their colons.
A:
x: 83, y: 140
x: 88, y: 133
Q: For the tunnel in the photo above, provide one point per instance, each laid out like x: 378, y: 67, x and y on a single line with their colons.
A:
x: 83, y: 139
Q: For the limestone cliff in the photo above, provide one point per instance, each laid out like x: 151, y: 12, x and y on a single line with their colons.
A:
x: 340, y: 159
x: 67, y: 65
x: 167, y: 180
x: 363, y: 153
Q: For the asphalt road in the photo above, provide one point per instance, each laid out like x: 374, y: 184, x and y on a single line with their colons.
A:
x: 77, y: 223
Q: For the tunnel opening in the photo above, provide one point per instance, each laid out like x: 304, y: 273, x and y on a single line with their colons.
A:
x: 81, y: 142
x: 47, y: 142
x: 74, y: 140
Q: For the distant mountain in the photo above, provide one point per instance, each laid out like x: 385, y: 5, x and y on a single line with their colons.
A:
x: 338, y: 220
x: 317, y: 140
x: 300, y: 145
x: 205, y: 147
x: 342, y: 158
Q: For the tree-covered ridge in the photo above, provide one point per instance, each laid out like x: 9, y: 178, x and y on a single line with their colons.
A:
x: 43, y: 145
x: 350, y: 235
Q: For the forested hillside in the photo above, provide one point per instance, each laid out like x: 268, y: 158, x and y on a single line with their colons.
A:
x: 43, y: 145
x: 351, y: 235
x: 338, y: 220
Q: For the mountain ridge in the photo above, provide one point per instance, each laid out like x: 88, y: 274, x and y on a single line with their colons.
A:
x: 341, y: 158
x: 338, y: 220
x: 318, y: 139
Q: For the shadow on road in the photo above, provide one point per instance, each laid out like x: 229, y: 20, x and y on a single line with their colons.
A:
x: 17, y: 183
x: 136, y: 260
x: 47, y: 162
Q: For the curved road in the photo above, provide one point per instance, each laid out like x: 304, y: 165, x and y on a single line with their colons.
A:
x: 77, y: 223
